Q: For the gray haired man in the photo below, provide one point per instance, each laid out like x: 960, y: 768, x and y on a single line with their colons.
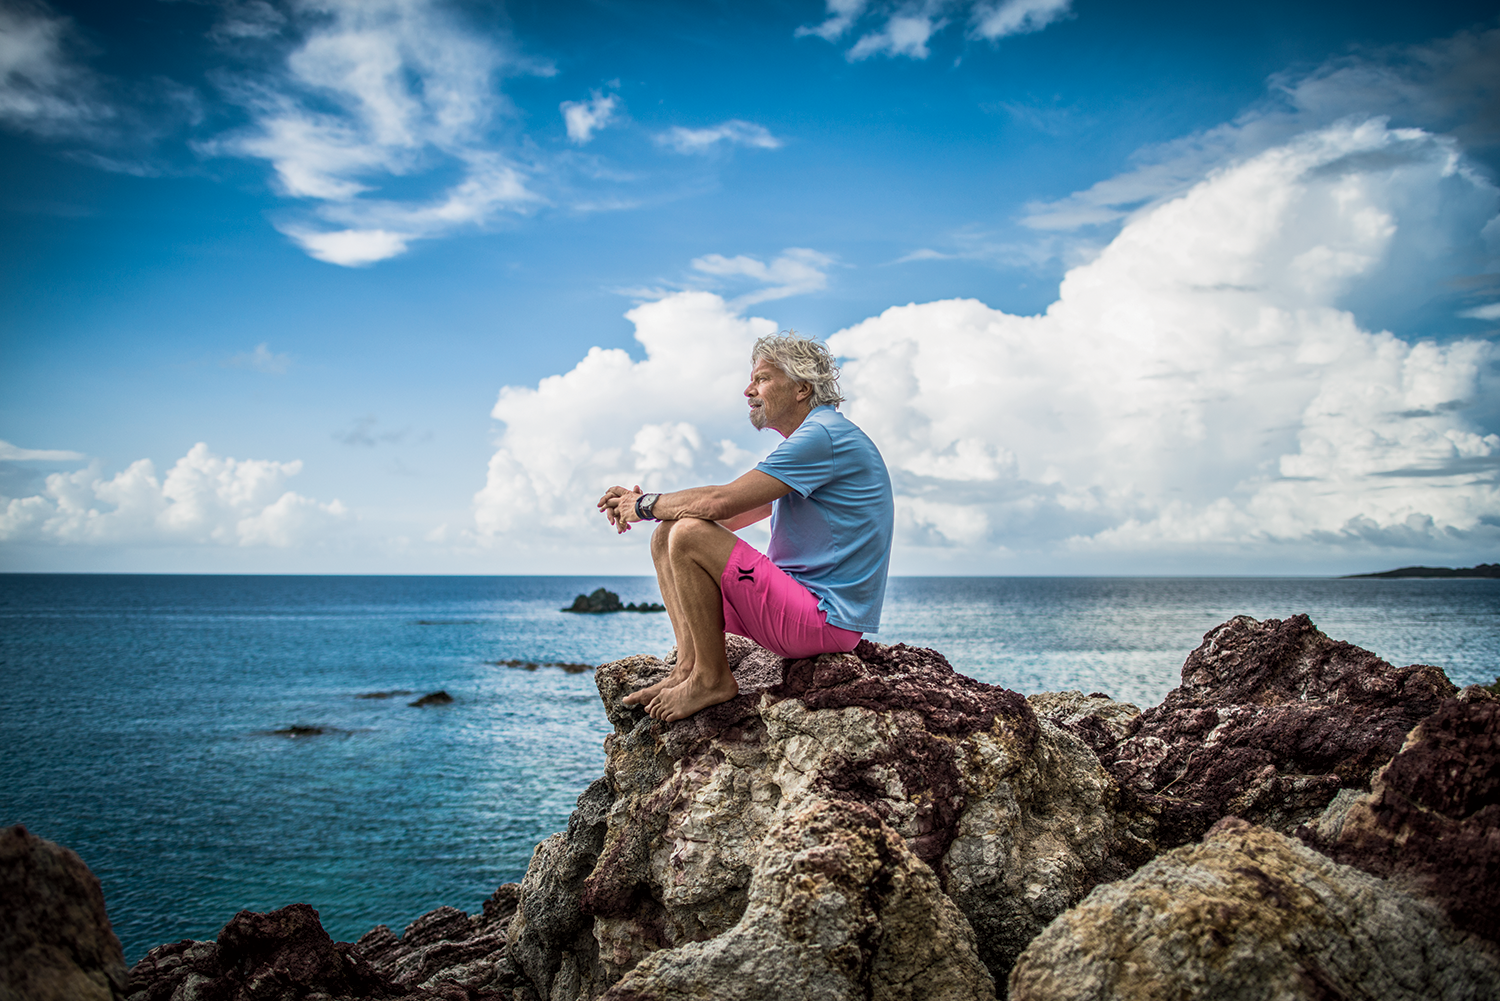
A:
x: 820, y: 585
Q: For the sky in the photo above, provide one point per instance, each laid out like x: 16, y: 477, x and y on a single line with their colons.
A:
x: 400, y: 286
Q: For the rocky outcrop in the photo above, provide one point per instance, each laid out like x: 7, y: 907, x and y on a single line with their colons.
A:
x: 1251, y: 915
x: 56, y: 943
x: 874, y: 825
x: 1431, y: 822
x: 677, y: 855
x: 286, y: 955
x: 1271, y: 720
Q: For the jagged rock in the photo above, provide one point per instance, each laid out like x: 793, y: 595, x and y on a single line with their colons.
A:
x: 1271, y: 720
x: 448, y: 946
x: 1098, y: 720
x: 1251, y: 915
x: 1431, y: 822
x: 56, y: 943
x: 1015, y: 818
x: 838, y: 908
x: 281, y: 953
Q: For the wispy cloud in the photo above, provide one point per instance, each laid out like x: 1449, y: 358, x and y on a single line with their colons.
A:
x: 261, y: 360
x: 733, y: 132
x: 363, y: 434
x: 13, y: 453
x: 796, y: 272
x: 584, y: 118
x: 375, y: 91
x: 1490, y: 312
x: 43, y: 88
x: 904, y: 27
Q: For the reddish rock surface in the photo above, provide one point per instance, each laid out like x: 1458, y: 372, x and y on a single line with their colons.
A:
x: 56, y: 943
x: 1432, y: 821
x: 1271, y: 719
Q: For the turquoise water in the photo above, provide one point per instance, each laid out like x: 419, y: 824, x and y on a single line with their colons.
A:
x: 138, y: 713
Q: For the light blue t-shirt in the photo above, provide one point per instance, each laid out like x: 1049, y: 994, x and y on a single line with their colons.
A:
x: 833, y: 531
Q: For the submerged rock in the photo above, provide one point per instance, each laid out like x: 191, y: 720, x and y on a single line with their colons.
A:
x: 1250, y: 915
x: 56, y: 942
x: 438, y: 698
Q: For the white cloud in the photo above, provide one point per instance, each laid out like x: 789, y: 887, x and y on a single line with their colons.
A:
x: 1490, y: 312
x: 903, y: 35
x: 379, y: 90
x: 796, y: 272
x: 841, y: 15
x: 1016, y: 17
x: 1195, y: 385
x: 11, y: 453
x: 584, y: 118
x: 204, y: 499
x: 675, y: 419
x: 734, y: 132
x: 42, y: 88
x: 262, y: 360
x: 905, y: 27
x: 1194, y: 389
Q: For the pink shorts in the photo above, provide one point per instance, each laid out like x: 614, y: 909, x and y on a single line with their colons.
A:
x: 765, y: 603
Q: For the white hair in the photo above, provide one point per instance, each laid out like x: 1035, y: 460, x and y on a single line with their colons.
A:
x: 805, y: 360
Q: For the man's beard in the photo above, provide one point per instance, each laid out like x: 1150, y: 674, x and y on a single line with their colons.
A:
x: 758, y: 418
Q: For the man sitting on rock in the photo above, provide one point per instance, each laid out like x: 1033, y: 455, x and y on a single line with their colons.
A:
x: 828, y: 496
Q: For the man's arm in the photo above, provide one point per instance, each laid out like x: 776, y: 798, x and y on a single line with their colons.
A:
x: 734, y: 505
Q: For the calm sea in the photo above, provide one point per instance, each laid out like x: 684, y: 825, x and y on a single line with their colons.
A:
x: 138, y: 714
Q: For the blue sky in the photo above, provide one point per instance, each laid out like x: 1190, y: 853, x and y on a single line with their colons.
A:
x: 326, y: 286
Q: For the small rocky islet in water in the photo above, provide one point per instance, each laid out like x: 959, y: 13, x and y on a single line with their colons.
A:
x: 602, y: 601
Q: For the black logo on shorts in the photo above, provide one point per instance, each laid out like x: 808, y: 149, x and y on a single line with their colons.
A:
x: 747, y: 574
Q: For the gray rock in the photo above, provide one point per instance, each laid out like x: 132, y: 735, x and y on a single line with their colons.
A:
x: 1013, y: 818
x: 1251, y: 915
x: 56, y: 943
x: 839, y: 909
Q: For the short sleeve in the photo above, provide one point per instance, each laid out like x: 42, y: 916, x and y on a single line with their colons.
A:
x: 804, y: 461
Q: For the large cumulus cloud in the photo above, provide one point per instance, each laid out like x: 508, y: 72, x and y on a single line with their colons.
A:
x: 1196, y: 386
x: 204, y: 499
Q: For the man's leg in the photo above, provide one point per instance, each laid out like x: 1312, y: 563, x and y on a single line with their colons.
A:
x: 697, y: 552
x: 667, y: 582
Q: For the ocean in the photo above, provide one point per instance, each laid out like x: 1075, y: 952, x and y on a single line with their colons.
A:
x: 140, y: 714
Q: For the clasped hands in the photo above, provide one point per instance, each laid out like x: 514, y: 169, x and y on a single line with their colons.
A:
x: 618, y: 505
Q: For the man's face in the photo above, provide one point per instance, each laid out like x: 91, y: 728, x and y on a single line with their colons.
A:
x: 775, y: 398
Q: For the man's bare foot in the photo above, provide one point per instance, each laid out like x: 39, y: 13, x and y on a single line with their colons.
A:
x: 697, y: 692
x: 643, y: 696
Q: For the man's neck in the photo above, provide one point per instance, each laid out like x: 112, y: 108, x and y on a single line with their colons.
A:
x: 793, y: 424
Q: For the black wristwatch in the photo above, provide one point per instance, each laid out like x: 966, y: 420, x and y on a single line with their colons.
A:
x: 644, y: 504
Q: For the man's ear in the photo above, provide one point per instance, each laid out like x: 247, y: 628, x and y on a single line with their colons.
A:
x: 804, y: 390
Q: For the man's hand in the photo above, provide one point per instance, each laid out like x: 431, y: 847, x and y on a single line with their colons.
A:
x: 618, y: 506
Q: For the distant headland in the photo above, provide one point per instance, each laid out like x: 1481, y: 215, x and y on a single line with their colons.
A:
x: 1482, y: 570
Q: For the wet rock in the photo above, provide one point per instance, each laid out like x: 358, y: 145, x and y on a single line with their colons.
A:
x: 1431, y: 822
x: 1271, y: 720
x: 1014, y: 818
x: 393, y: 693
x: 1249, y: 915
x: 838, y: 907
x: 438, y: 698
x: 56, y: 943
